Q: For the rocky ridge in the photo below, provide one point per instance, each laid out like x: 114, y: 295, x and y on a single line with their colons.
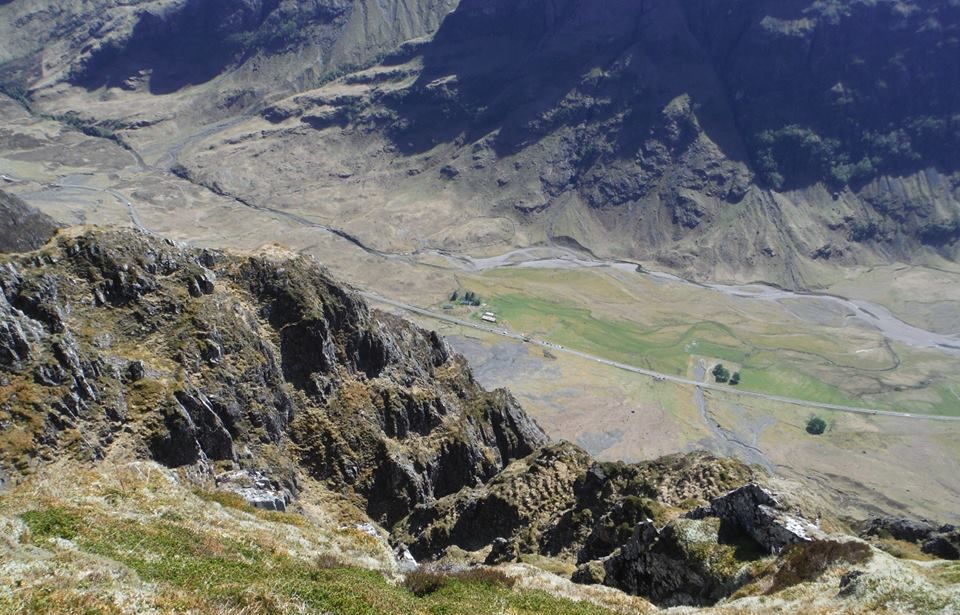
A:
x: 260, y: 377
x: 260, y: 364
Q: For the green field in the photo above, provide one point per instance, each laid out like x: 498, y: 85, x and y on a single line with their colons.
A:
x: 668, y: 329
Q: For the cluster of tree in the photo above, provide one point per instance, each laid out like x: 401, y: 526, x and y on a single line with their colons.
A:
x: 469, y: 298
x: 816, y: 425
x: 794, y: 155
x: 722, y: 375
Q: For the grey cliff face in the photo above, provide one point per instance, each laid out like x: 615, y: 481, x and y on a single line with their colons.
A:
x: 208, y: 360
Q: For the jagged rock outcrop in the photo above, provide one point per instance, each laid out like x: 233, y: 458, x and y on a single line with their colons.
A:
x: 22, y: 228
x: 941, y: 541
x: 261, y: 373
x: 635, y: 527
x: 603, y: 516
x: 255, y: 488
x: 755, y: 511
x: 705, y: 555
x: 260, y: 366
x: 515, y: 508
x: 684, y: 563
x: 560, y: 501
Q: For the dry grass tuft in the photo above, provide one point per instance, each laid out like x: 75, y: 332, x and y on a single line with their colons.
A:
x: 424, y: 580
x: 224, y: 498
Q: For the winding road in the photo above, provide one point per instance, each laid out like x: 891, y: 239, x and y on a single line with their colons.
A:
x: 722, y: 388
x: 62, y: 184
x: 134, y: 216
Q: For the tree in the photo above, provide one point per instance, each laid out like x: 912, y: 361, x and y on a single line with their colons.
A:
x: 735, y: 379
x: 721, y: 373
x: 816, y: 425
x: 454, y: 295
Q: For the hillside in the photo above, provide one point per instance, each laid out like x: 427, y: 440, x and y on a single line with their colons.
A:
x: 119, y: 66
x: 257, y: 382
x: 658, y: 131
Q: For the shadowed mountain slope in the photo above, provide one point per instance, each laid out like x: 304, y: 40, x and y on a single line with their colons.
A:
x: 22, y: 228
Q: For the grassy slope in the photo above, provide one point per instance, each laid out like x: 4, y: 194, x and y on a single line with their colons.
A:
x: 127, y: 545
x: 132, y: 538
x: 207, y: 572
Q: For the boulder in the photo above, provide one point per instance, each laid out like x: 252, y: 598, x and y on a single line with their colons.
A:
x: 940, y: 541
x: 911, y: 530
x: 255, y: 488
x: 756, y: 511
x: 944, y: 545
x: 683, y: 564
x: 502, y: 551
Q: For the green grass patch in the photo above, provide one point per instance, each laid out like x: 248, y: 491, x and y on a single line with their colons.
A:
x: 665, y: 349
x: 787, y: 381
x: 219, y: 571
x: 662, y: 349
x: 949, y: 402
x: 661, y: 327
x: 53, y: 522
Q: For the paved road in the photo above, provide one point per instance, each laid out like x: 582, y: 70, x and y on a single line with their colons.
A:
x: 726, y: 389
x: 134, y: 216
x: 60, y: 185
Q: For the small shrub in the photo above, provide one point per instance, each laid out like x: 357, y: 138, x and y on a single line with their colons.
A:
x: 485, y: 576
x: 805, y: 562
x: 424, y: 581
x: 330, y: 561
x: 816, y: 425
